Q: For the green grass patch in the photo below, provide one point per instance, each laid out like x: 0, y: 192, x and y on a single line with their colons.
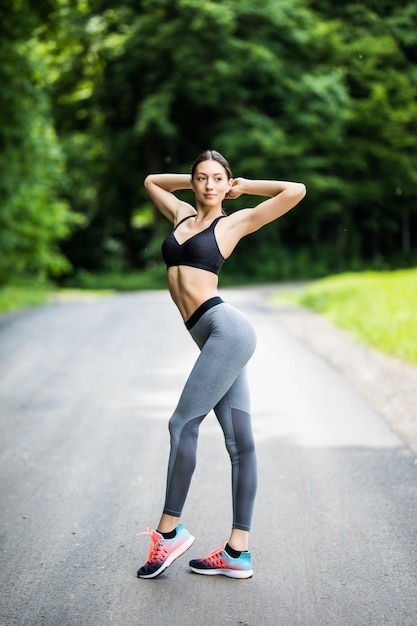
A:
x: 16, y: 297
x: 153, y: 278
x: 82, y: 285
x: 378, y: 308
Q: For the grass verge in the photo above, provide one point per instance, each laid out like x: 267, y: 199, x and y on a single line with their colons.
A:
x: 152, y: 278
x: 378, y: 308
x: 16, y: 297
x: 83, y: 285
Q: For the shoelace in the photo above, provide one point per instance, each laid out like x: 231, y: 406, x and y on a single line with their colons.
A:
x: 155, y: 543
x: 149, y: 531
x: 214, y: 556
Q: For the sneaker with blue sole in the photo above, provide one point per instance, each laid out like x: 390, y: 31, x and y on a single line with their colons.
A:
x: 221, y: 563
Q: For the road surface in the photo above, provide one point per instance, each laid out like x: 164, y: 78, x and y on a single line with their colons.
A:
x: 86, y: 390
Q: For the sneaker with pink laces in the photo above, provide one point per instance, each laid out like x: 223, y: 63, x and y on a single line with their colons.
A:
x: 220, y: 562
x: 164, y: 552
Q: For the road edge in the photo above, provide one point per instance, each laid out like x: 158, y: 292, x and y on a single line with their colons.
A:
x: 388, y: 384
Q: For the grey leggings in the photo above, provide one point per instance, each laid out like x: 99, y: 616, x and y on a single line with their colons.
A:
x: 217, y: 381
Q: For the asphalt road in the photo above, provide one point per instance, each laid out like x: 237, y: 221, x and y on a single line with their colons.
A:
x: 86, y: 390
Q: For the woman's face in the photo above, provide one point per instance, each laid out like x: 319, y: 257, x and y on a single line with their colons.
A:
x: 210, y: 182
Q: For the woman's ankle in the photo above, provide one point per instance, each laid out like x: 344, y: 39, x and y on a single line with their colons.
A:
x: 167, y: 523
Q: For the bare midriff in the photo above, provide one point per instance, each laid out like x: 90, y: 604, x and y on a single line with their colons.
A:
x: 190, y: 287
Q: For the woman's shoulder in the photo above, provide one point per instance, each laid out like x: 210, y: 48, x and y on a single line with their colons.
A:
x: 184, y: 212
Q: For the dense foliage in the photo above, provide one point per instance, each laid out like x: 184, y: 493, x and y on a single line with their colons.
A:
x: 33, y: 211
x: 97, y: 94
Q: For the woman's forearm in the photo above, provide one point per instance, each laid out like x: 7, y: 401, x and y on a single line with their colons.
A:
x: 169, y: 182
x: 268, y: 188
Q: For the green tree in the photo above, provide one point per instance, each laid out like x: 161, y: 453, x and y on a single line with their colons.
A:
x: 33, y: 215
x: 377, y: 161
x: 298, y: 89
x: 170, y: 78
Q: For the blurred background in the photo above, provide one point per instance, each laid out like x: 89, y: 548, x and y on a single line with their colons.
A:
x: 94, y: 95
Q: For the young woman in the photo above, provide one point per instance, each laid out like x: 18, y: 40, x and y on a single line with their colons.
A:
x: 194, y: 252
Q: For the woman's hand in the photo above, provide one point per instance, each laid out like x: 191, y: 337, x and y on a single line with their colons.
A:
x: 282, y: 196
x: 237, y: 188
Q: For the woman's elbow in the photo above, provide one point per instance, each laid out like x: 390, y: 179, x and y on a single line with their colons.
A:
x: 295, y: 193
x: 300, y: 190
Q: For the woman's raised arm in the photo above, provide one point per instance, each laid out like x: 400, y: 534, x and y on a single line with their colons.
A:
x: 160, y: 188
x: 284, y: 195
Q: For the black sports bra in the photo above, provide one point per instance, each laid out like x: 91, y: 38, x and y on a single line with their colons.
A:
x: 200, y: 250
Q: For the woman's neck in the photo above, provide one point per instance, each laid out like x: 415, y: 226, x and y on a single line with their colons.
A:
x: 205, y: 213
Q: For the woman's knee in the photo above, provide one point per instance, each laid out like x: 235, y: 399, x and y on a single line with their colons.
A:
x: 182, y: 429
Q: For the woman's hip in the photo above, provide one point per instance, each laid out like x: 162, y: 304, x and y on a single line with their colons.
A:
x: 227, y: 324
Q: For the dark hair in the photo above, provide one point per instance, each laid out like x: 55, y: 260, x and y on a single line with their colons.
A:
x: 209, y: 155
